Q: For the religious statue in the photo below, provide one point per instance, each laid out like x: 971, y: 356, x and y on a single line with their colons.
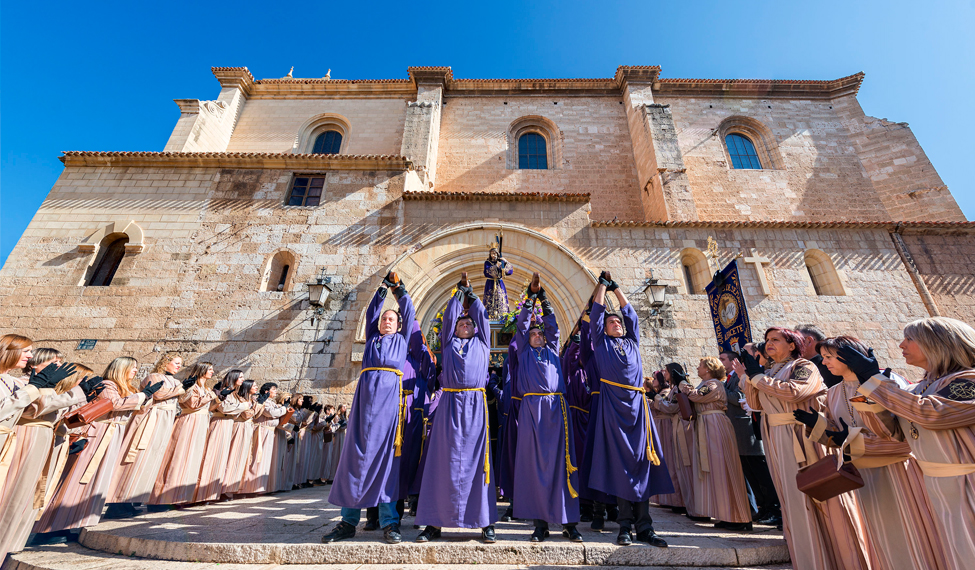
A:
x: 495, y: 293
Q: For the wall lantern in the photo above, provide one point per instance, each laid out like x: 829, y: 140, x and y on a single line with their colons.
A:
x: 655, y: 291
x: 318, y: 291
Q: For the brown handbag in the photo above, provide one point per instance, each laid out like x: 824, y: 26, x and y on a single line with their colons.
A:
x: 823, y: 480
x: 286, y: 418
x: 90, y: 412
x: 685, y: 407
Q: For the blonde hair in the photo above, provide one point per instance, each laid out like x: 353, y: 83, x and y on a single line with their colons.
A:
x: 715, y: 368
x: 81, y: 372
x: 43, y: 356
x: 283, y: 397
x: 117, y: 373
x: 11, y: 348
x: 947, y: 344
x: 160, y: 367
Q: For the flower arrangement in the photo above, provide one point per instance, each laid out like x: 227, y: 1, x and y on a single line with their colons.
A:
x: 508, y: 319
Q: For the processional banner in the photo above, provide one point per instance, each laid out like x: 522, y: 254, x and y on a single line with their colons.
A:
x: 728, y: 310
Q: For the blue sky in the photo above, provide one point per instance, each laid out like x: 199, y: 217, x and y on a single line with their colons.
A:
x: 102, y: 75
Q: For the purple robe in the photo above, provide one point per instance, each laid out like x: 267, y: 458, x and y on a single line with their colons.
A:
x: 577, y: 396
x: 417, y: 364
x: 428, y: 411
x: 544, y: 432
x: 456, y: 491
x: 591, y: 376
x: 368, y: 470
x: 620, y: 435
x: 509, y: 432
x: 495, y: 293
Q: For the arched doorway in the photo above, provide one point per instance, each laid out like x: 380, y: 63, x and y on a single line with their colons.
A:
x: 432, y: 267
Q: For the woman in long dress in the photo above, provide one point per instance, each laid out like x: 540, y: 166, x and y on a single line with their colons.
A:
x: 719, y: 484
x: 257, y: 476
x: 179, y: 474
x: 276, y: 477
x: 936, y: 417
x: 682, y: 438
x: 219, y: 433
x: 241, y: 438
x: 665, y: 418
x: 80, y: 496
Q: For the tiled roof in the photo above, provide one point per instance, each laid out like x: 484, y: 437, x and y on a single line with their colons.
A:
x: 497, y: 196
x: 782, y: 224
x: 267, y: 160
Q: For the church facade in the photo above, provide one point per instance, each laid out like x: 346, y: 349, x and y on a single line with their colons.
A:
x: 207, y: 247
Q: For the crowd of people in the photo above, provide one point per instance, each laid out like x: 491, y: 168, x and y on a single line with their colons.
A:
x: 72, y: 442
x: 566, y: 432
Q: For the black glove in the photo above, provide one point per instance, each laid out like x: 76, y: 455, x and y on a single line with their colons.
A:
x: 603, y: 280
x: 576, y: 338
x: 863, y: 365
x: 77, y: 446
x: 651, y: 394
x: 840, y: 436
x: 51, y: 375
x: 612, y: 286
x: 399, y: 290
x: 92, y: 387
x: 188, y: 383
x: 150, y: 390
x: 262, y: 398
x: 547, y: 308
x: 808, y: 418
x: 225, y: 392
x: 328, y: 419
x: 752, y: 367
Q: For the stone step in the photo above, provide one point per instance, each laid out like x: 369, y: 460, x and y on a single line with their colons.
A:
x: 77, y: 557
x: 286, y: 528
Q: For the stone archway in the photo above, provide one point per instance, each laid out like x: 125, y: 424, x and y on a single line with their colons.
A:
x: 432, y: 267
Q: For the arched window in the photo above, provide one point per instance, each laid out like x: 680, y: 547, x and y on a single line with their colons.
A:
x: 742, y: 152
x: 697, y: 270
x: 822, y: 273
x: 532, y: 154
x: 279, y: 272
x: 328, y: 142
x: 112, y: 249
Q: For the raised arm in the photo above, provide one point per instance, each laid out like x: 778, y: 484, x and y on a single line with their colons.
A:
x: 450, y: 314
x: 374, y: 311
x: 551, y: 329
x: 481, y: 321
x: 408, y: 314
x: 804, y: 384
x: 597, y: 318
x: 522, y: 324
x: 951, y: 407
x: 631, y: 322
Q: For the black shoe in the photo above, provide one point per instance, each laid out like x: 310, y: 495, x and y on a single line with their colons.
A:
x: 416, y: 526
x: 679, y: 510
x: 158, y: 508
x: 539, y: 535
x: 699, y: 519
x: 572, y: 533
x: 651, y: 538
x: 342, y: 531
x: 585, y: 513
x: 720, y: 524
x: 613, y: 513
x: 428, y: 534
x: 508, y: 514
x: 391, y: 534
x: 119, y: 511
x: 487, y: 535
x: 739, y: 527
x: 624, y: 537
x: 370, y: 525
x: 598, y: 524
x: 773, y: 519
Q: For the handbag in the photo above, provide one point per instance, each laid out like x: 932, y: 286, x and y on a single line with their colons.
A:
x: 90, y: 412
x: 286, y: 418
x: 684, y: 407
x: 827, y: 478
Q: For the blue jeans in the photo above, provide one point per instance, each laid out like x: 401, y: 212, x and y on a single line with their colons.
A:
x: 387, y: 515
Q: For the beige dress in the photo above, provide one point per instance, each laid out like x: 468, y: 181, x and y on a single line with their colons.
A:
x: 665, y: 421
x: 682, y: 436
x: 821, y: 536
x: 896, y: 511
x: 179, y: 474
x: 257, y: 475
x: 81, y: 492
x: 146, y: 439
x: 217, y: 449
x: 25, y: 493
x: 13, y: 400
x: 937, y: 419
x: 279, y: 457
x: 719, y: 484
x: 303, y: 447
x: 241, y: 440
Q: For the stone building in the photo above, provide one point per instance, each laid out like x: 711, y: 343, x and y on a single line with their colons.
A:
x: 206, y: 247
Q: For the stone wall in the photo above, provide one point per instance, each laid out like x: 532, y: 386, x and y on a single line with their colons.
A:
x: 946, y: 262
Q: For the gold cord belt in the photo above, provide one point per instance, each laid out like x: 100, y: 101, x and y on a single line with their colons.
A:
x: 651, y: 453
x: 401, y: 418
x: 569, y: 468
x: 487, y: 427
x: 583, y: 410
x: 7, y: 450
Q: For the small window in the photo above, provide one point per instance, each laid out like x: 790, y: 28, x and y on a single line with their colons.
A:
x: 109, y: 260
x: 532, y: 154
x: 825, y: 279
x: 328, y: 142
x: 697, y: 270
x: 742, y: 151
x: 306, y: 191
x: 277, y: 274
x: 689, y: 277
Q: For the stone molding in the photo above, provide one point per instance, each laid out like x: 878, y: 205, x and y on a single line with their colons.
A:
x: 892, y: 226
x: 133, y: 230
x: 260, y: 160
x: 497, y: 196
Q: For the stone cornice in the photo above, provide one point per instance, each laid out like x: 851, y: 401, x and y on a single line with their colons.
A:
x: 496, y: 196
x: 773, y: 224
x: 298, y: 88
x: 259, y: 160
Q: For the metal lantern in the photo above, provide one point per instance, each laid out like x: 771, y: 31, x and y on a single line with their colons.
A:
x: 318, y: 290
x: 656, y: 292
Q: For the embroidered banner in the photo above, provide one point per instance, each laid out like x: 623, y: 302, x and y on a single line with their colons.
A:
x: 728, y: 311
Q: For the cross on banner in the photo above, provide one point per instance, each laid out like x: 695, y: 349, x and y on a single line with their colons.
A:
x: 760, y: 270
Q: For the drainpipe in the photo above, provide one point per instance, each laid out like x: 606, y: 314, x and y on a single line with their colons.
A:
x: 922, y: 288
